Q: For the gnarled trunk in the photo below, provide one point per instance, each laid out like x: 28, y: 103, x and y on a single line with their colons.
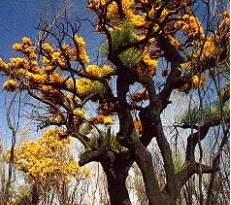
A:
x: 117, y: 187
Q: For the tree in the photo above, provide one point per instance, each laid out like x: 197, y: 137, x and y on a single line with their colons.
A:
x: 48, y: 168
x: 138, y: 35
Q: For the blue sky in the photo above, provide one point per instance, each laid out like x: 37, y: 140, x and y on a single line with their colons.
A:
x: 19, y: 18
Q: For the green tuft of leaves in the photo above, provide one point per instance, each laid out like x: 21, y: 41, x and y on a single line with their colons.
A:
x: 105, y: 141
x: 130, y: 57
x: 123, y: 36
x: 179, y: 163
x: 212, y: 112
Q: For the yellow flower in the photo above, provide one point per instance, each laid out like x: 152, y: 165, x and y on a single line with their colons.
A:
x: 55, y: 78
x: 29, y: 49
x: 17, y: 62
x: 84, y: 57
x: 36, y: 78
x: 210, y: 48
x: 198, y: 81
x: 93, y: 70
x: 79, y: 40
x: 10, y: 85
x: 47, y: 48
x: 65, y: 47
x: 56, y: 55
x: 45, y: 60
x: 156, y: 27
x: 185, y: 66
x: 138, y: 20
x: 174, y: 41
x: 106, y: 70
x: 26, y: 41
x: 81, y: 48
x: 84, y: 86
x: 79, y: 113
x: 192, y: 26
x: 112, y: 10
x: 107, y: 120
x: 151, y: 63
x: 2, y: 63
x: 96, y: 3
x: 17, y: 47
x: 164, y: 13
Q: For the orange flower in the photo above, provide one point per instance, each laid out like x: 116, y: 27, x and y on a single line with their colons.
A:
x: 138, y: 125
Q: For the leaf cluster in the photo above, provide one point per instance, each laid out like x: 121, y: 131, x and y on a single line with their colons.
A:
x: 194, y: 115
x: 105, y: 141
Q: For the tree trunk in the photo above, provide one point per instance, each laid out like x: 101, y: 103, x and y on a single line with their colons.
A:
x: 117, y: 186
x: 35, y: 195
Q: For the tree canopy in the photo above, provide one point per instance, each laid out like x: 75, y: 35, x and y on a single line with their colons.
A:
x: 150, y: 50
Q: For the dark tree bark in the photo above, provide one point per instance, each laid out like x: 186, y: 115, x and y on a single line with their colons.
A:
x: 35, y: 195
x: 116, y: 167
x: 117, y: 187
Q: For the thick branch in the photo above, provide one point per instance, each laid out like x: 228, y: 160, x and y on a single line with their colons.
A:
x: 199, y: 135
x: 89, y: 156
x: 172, y: 55
x: 189, y: 169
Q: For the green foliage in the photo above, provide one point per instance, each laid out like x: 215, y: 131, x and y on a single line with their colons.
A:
x: 102, y: 49
x: 98, y: 87
x: 214, y: 112
x: 124, y: 36
x: 190, y: 116
x: 105, y: 141
x: 178, y: 162
x: 130, y: 57
x: 194, y: 116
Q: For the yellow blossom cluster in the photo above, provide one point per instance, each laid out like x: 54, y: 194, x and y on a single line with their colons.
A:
x: 84, y: 86
x: 192, y: 26
x: 151, y: 64
x: 48, y: 156
x: 106, y: 70
x: 96, y: 3
x: 80, y: 113
x: 47, y: 48
x: 18, y: 62
x: 93, y: 70
x: 3, y: 65
x: 101, y: 119
x: 198, y: 80
x: 81, y: 49
x: 207, y: 49
x: 96, y: 71
x: 28, y: 70
x: 10, y: 85
x: 174, y: 41
x: 138, y: 20
x: 25, y: 47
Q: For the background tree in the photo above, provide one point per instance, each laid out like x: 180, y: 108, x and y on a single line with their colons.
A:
x: 134, y: 89
x: 49, y: 169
